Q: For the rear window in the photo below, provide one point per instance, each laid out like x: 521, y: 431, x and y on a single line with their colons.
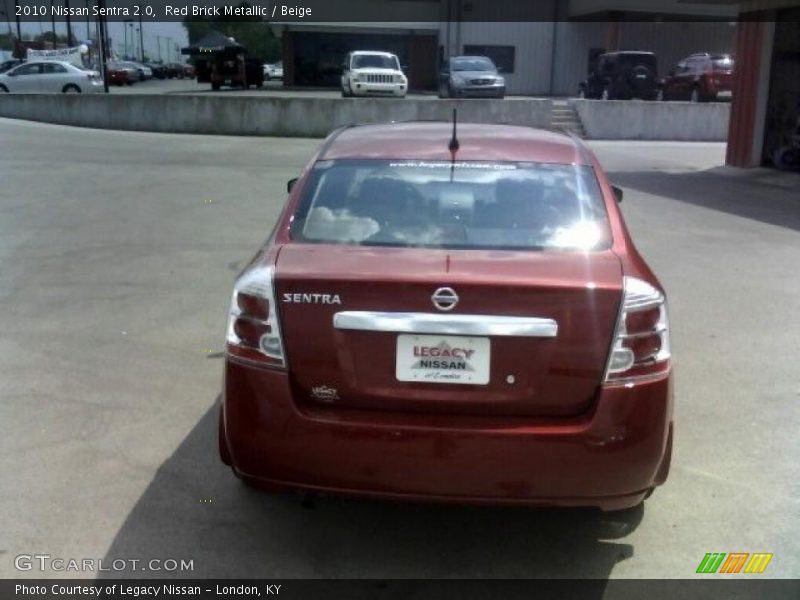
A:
x: 440, y: 204
x: 722, y: 62
x: 634, y: 60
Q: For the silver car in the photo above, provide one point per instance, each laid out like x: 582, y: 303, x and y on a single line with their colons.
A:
x: 470, y: 76
x: 273, y: 71
x: 51, y: 76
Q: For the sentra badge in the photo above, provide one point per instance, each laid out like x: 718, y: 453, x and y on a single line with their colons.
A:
x: 306, y: 298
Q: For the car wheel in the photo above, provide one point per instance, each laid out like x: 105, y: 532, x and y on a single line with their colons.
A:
x: 346, y: 93
x: 3, y: 89
x: 606, y: 95
x: 695, y: 95
x: 71, y: 88
x: 215, y: 86
x: 660, y: 97
x: 444, y: 90
x: 582, y: 94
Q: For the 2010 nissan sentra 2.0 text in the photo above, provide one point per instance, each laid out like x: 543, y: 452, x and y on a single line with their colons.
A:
x: 495, y: 335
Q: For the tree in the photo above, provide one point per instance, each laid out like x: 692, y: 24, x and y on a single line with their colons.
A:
x: 251, y: 32
x: 47, y: 37
x: 6, y: 41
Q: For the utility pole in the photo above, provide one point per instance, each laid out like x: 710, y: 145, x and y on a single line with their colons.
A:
x: 69, y: 24
x: 16, y: 16
x: 125, y: 29
x: 8, y: 21
x: 141, y: 38
x: 158, y: 41
x: 53, y: 23
x: 103, y: 41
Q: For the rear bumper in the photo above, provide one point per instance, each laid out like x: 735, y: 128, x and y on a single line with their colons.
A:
x: 609, y: 458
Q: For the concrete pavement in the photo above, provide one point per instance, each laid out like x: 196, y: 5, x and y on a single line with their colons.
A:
x: 117, y: 254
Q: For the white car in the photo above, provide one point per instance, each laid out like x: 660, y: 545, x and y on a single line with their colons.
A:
x: 51, y: 76
x: 273, y: 71
x: 366, y: 73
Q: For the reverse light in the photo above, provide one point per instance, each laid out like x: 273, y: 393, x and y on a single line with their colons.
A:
x: 253, y: 329
x: 641, y: 342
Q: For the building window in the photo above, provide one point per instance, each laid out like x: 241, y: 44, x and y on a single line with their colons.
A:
x: 502, y: 56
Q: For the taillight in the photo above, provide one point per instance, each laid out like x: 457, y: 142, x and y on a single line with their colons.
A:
x: 253, y: 330
x: 641, y: 341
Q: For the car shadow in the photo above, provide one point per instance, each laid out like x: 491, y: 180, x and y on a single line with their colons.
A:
x: 195, y: 509
x: 762, y: 195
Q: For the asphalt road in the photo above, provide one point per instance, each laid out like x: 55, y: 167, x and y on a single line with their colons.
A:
x: 117, y: 255
x: 190, y: 86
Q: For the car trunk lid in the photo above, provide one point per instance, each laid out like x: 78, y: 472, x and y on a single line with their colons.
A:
x: 386, y: 363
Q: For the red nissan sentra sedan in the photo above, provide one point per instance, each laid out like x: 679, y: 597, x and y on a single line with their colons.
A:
x: 450, y: 317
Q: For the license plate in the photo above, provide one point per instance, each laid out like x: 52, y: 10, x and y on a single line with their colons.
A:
x: 443, y: 359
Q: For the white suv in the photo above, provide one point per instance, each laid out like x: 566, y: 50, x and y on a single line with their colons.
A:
x: 373, y: 73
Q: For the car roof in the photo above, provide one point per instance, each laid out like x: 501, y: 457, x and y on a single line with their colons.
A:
x: 429, y: 140
x: 372, y: 52
x: 41, y: 61
x: 628, y: 52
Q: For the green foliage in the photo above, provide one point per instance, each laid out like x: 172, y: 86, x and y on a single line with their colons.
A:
x: 47, y: 36
x: 6, y: 41
x: 251, y: 32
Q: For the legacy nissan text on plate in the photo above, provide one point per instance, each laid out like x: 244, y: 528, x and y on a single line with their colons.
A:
x: 450, y: 313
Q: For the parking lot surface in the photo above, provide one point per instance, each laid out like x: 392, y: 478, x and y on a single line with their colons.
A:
x: 190, y: 86
x: 118, y: 252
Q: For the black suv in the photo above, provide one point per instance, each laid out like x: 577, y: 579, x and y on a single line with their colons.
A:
x: 621, y: 76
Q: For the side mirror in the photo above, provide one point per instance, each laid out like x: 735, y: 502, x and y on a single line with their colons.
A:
x: 290, y: 184
x: 617, y: 193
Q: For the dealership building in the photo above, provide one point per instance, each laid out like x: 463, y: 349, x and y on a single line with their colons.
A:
x: 546, y: 47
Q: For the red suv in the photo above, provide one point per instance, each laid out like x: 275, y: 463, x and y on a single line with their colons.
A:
x: 450, y: 316
x: 699, y: 78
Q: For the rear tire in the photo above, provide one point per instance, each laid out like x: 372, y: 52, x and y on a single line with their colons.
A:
x: 215, y: 87
x: 695, y: 95
x: 3, y: 89
x: 606, y: 94
x: 444, y: 91
x: 71, y: 88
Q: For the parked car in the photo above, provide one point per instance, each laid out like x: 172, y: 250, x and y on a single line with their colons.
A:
x: 273, y: 71
x: 8, y: 64
x: 132, y: 74
x: 453, y: 316
x: 174, y: 70
x: 622, y: 76
x: 144, y: 71
x: 367, y: 73
x: 51, y: 76
x: 159, y: 71
x: 700, y: 77
x: 236, y: 72
x: 117, y: 75
x: 470, y: 76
